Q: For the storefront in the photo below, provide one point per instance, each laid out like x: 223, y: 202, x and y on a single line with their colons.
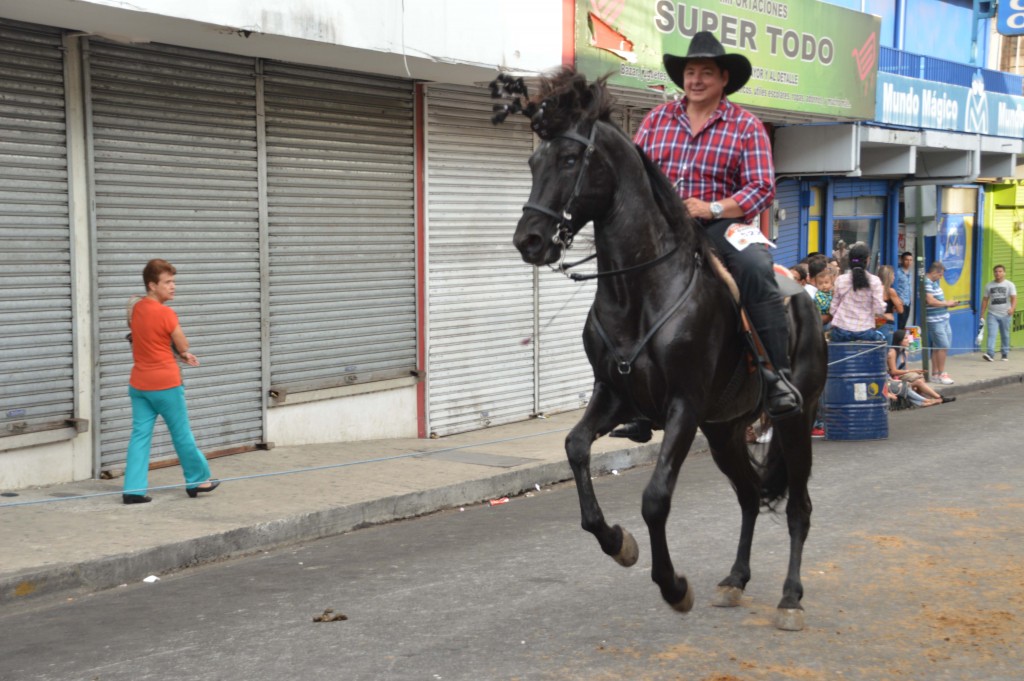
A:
x: 38, y: 400
x: 1004, y: 243
x: 285, y: 196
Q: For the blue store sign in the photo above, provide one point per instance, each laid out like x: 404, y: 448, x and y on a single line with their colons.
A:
x: 925, y: 104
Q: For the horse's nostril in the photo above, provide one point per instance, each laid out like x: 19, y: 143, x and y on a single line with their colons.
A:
x: 530, y: 245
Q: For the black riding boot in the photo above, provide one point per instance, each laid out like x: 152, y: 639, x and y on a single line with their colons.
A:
x: 638, y: 430
x: 769, y: 320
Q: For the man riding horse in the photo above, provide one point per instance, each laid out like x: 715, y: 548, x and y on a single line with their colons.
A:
x: 719, y: 158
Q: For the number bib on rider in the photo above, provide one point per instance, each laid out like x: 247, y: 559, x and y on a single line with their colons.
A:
x: 741, y: 236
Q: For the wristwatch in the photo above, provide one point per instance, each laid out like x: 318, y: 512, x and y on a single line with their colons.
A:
x: 716, y: 209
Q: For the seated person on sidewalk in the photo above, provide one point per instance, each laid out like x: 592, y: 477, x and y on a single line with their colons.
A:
x: 916, y: 390
x: 856, y: 300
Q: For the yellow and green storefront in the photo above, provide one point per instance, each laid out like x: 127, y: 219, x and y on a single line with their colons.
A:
x: 1003, y: 242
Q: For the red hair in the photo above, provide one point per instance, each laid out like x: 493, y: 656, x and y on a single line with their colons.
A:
x: 153, y: 269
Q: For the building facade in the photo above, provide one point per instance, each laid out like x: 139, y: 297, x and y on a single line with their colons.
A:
x: 340, y: 208
x: 329, y: 186
x: 935, y: 169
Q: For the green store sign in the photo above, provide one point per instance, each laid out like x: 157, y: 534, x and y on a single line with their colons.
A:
x: 808, y: 56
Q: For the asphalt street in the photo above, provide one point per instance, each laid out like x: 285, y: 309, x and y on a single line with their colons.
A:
x: 912, y: 571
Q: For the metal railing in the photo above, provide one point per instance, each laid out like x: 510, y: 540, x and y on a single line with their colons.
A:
x: 900, y: 63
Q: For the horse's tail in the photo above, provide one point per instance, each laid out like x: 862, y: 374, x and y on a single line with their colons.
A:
x: 774, y: 474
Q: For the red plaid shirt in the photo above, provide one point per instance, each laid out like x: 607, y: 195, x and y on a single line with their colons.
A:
x: 730, y: 157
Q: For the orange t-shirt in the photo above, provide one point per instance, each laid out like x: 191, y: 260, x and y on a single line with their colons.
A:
x: 154, y: 368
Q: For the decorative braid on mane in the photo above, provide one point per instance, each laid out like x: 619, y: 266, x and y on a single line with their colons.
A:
x: 565, y: 98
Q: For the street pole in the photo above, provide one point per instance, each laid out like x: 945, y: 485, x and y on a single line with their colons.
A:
x: 922, y: 295
x: 922, y: 270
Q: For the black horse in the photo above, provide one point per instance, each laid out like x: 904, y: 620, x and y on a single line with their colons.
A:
x: 663, y: 336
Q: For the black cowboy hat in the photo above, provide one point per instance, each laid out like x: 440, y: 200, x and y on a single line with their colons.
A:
x: 706, y: 46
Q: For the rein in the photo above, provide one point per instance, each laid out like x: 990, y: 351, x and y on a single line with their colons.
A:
x: 564, y: 235
x: 625, y: 366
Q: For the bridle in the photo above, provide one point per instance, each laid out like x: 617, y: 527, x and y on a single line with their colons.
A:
x: 564, y: 233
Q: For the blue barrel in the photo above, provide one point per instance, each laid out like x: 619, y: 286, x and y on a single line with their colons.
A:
x: 854, y: 406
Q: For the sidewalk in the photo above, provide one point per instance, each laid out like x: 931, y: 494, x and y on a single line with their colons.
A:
x: 271, y: 498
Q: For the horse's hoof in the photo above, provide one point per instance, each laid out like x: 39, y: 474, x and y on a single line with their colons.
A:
x: 629, y: 552
x: 789, y: 619
x: 728, y: 597
x: 685, y: 605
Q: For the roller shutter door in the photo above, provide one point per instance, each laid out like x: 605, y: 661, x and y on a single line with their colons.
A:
x: 36, y: 346
x: 481, y: 294
x: 174, y: 159
x: 787, y: 251
x: 566, y: 377
x: 341, y: 204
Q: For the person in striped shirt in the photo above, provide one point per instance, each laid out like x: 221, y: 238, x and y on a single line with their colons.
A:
x: 940, y: 335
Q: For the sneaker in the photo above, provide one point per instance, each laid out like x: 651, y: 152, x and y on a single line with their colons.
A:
x: 1005, y: 359
x: 817, y: 432
x: 987, y: 357
x: 944, y: 379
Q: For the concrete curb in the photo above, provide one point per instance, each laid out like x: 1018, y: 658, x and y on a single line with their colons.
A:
x: 110, y: 571
x: 982, y: 384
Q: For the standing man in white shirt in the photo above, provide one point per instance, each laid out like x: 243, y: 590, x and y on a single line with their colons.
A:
x: 1001, y: 301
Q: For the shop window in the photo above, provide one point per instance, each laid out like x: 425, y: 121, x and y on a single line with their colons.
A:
x: 858, y: 219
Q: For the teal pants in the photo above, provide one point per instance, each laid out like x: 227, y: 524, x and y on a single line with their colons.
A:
x: 170, y: 404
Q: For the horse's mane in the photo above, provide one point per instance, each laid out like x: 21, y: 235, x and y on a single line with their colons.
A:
x: 565, y: 98
x: 670, y: 206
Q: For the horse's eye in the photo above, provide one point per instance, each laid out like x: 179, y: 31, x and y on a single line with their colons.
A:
x: 569, y: 162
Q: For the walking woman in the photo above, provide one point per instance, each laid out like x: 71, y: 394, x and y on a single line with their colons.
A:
x: 156, y: 390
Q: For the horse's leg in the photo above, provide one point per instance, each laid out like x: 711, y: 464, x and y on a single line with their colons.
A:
x: 680, y: 429
x: 796, y: 448
x: 604, y: 412
x: 729, y: 450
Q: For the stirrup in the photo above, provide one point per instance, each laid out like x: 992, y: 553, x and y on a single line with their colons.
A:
x: 780, y: 378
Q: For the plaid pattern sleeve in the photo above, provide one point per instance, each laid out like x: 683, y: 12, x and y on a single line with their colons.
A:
x: 730, y: 157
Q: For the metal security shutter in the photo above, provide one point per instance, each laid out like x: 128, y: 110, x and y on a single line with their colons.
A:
x: 174, y: 161
x: 566, y: 377
x: 481, y: 294
x: 1000, y: 238
x: 787, y: 251
x: 848, y: 189
x: 36, y: 346
x: 341, y: 202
